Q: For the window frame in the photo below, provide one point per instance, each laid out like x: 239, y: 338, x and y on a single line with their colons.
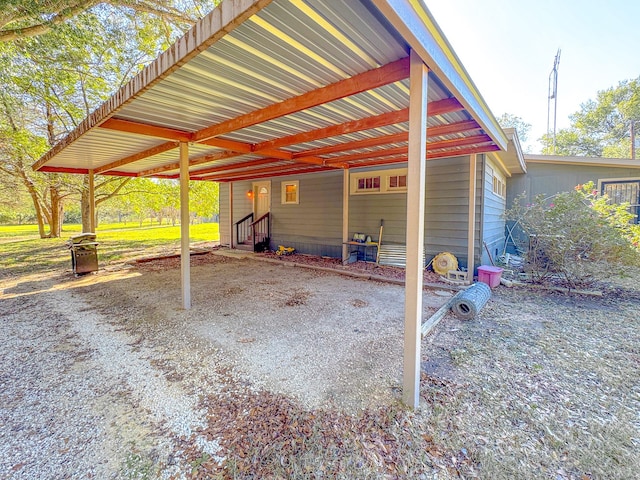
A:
x: 602, y: 182
x: 498, y: 182
x: 283, y: 192
x: 385, y: 179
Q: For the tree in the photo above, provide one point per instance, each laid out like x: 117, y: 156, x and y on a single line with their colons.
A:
x: 507, y: 120
x: 74, y: 57
x: 21, y: 19
x: 601, y: 128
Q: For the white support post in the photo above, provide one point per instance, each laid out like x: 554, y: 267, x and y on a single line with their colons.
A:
x: 471, y: 235
x: 231, y: 215
x: 92, y: 203
x: 185, y: 256
x: 416, y: 171
x: 345, y: 215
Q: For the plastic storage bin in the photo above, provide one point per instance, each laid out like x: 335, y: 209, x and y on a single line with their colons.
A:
x: 489, y: 275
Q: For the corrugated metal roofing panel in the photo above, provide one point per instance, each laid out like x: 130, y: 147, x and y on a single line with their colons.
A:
x: 283, y: 51
x: 100, y: 147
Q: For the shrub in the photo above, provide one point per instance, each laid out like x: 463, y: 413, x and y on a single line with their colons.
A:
x: 576, y: 237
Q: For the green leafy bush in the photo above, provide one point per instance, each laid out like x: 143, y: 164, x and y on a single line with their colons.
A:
x: 576, y: 238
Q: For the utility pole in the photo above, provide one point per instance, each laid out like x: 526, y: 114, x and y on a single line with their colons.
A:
x: 553, y: 95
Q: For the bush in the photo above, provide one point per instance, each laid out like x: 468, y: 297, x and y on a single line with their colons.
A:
x: 576, y: 237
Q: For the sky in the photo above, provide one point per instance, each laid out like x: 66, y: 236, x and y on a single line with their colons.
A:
x: 508, y: 48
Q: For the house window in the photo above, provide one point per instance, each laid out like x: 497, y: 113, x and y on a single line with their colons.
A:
x: 623, y: 191
x: 499, y: 186
x: 398, y: 182
x: 369, y: 184
x: 290, y: 193
x: 498, y: 183
x: 380, y: 181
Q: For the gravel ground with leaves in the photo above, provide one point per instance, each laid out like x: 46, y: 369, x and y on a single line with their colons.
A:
x: 280, y: 372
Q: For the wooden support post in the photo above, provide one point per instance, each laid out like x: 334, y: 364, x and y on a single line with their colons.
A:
x: 416, y: 171
x: 345, y: 215
x: 92, y: 202
x: 471, y: 228
x: 231, y: 215
x: 185, y: 257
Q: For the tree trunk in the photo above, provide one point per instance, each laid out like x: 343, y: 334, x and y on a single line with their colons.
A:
x: 36, y: 203
x: 57, y: 211
x: 85, y: 207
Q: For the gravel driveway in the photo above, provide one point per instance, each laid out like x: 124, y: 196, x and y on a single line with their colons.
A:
x: 104, y: 376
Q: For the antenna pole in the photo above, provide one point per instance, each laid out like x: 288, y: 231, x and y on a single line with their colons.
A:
x: 553, y: 95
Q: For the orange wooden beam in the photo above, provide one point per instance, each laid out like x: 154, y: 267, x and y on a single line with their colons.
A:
x: 459, y: 142
x: 235, y: 166
x: 82, y: 171
x: 379, y: 161
x: 439, y: 107
x: 146, y: 129
x: 210, y: 157
x: 279, y: 168
x: 462, y: 151
x: 164, y: 147
x: 299, y: 171
x: 368, y: 123
x: 448, y: 129
x: 452, y: 128
x: 390, y: 73
x: 355, y: 145
x: 387, y: 152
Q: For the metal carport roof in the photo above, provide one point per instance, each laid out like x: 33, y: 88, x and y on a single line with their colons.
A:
x: 264, y: 88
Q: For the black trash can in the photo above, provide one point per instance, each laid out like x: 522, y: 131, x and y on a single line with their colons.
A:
x: 84, y: 253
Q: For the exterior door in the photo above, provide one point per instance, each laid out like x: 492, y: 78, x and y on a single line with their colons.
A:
x: 261, y: 198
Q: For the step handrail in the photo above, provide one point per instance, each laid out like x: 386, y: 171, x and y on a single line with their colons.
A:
x: 242, y: 228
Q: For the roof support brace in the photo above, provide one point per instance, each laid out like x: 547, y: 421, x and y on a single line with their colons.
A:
x: 185, y: 256
x: 92, y: 202
x: 416, y: 171
x: 471, y: 238
x: 345, y: 214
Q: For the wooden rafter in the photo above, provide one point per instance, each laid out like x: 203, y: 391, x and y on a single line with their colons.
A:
x: 164, y: 147
x: 448, y: 129
x: 489, y: 147
x: 390, y: 73
x: 146, y: 129
x: 387, y: 152
x: 368, y: 123
x: 234, y: 166
x: 269, y: 170
x: 211, y: 157
x: 82, y: 171
x: 444, y: 144
x: 298, y: 171
x: 439, y: 107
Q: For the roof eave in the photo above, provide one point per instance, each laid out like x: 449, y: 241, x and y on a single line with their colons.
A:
x: 513, y: 157
x: 417, y: 26
x: 585, y: 161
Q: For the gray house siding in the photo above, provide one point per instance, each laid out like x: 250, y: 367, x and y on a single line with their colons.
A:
x: 314, y: 225
x: 493, y: 223
x: 549, y: 179
x: 447, y: 207
x: 242, y: 206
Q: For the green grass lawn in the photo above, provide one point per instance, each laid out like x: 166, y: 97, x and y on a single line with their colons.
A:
x: 23, y: 251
